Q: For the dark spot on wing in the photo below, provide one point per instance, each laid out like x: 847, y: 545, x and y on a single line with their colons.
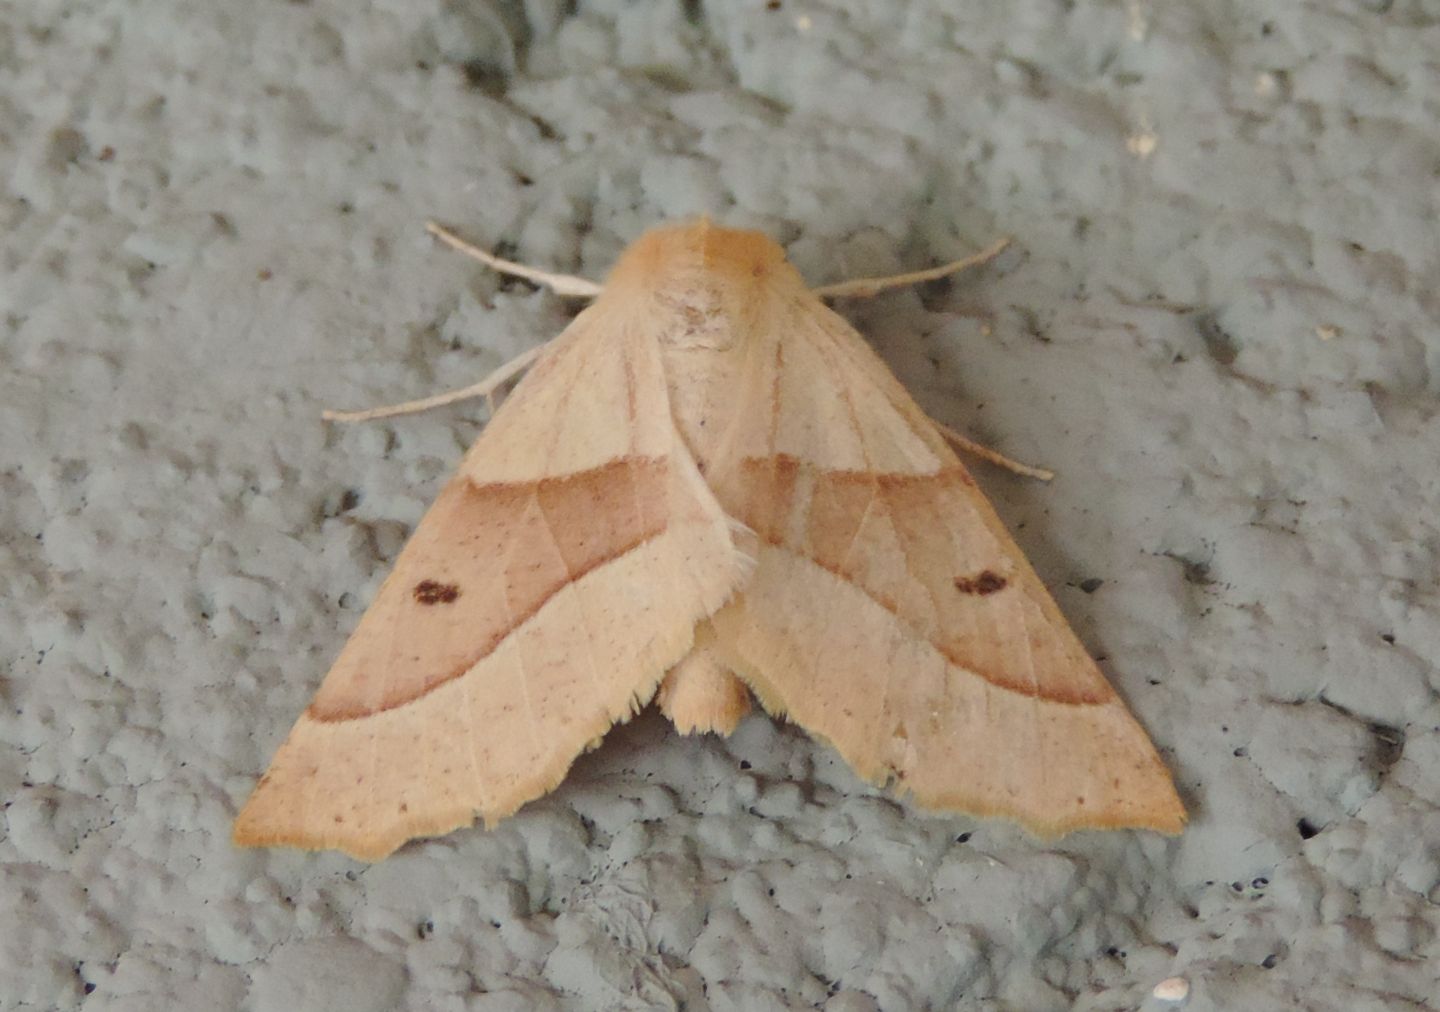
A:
x: 983, y: 583
x: 430, y: 592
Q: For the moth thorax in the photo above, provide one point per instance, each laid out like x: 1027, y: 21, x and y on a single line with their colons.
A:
x: 697, y: 317
x: 711, y: 277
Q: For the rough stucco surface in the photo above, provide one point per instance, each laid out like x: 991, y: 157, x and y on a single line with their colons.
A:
x: 1219, y: 323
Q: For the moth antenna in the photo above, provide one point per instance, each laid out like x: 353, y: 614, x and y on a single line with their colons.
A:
x: 864, y: 288
x: 566, y: 285
x: 485, y: 388
x: 993, y: 456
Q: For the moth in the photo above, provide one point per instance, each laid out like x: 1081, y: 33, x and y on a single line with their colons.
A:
x: 707, y: 488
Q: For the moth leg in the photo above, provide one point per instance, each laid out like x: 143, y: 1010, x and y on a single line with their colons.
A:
x: 863, y: 288
x: 560, y: 284
x: 993, y: 456
x: 485, y: 388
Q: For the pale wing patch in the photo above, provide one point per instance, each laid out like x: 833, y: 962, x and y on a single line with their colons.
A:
x: 803, y: 394
x: 593, y: 398
x: 826, y: 411
x: 897, y: 709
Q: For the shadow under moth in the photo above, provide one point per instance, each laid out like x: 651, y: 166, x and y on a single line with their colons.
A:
x: 707, y: 487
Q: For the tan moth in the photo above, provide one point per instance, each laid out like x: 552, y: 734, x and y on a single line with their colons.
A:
x: 707, y: 487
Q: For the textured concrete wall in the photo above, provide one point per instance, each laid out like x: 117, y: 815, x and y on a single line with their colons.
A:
x: 1219, y: 325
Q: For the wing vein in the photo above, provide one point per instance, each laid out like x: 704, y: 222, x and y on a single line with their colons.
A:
x: 834, y: 613
x: 582, y: 351
x: 1037, y: 735
x: 776, y: 395
x: 467, y: 694
x: 520, y: 643
x: 843, y: 386
x: 570, y: 578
